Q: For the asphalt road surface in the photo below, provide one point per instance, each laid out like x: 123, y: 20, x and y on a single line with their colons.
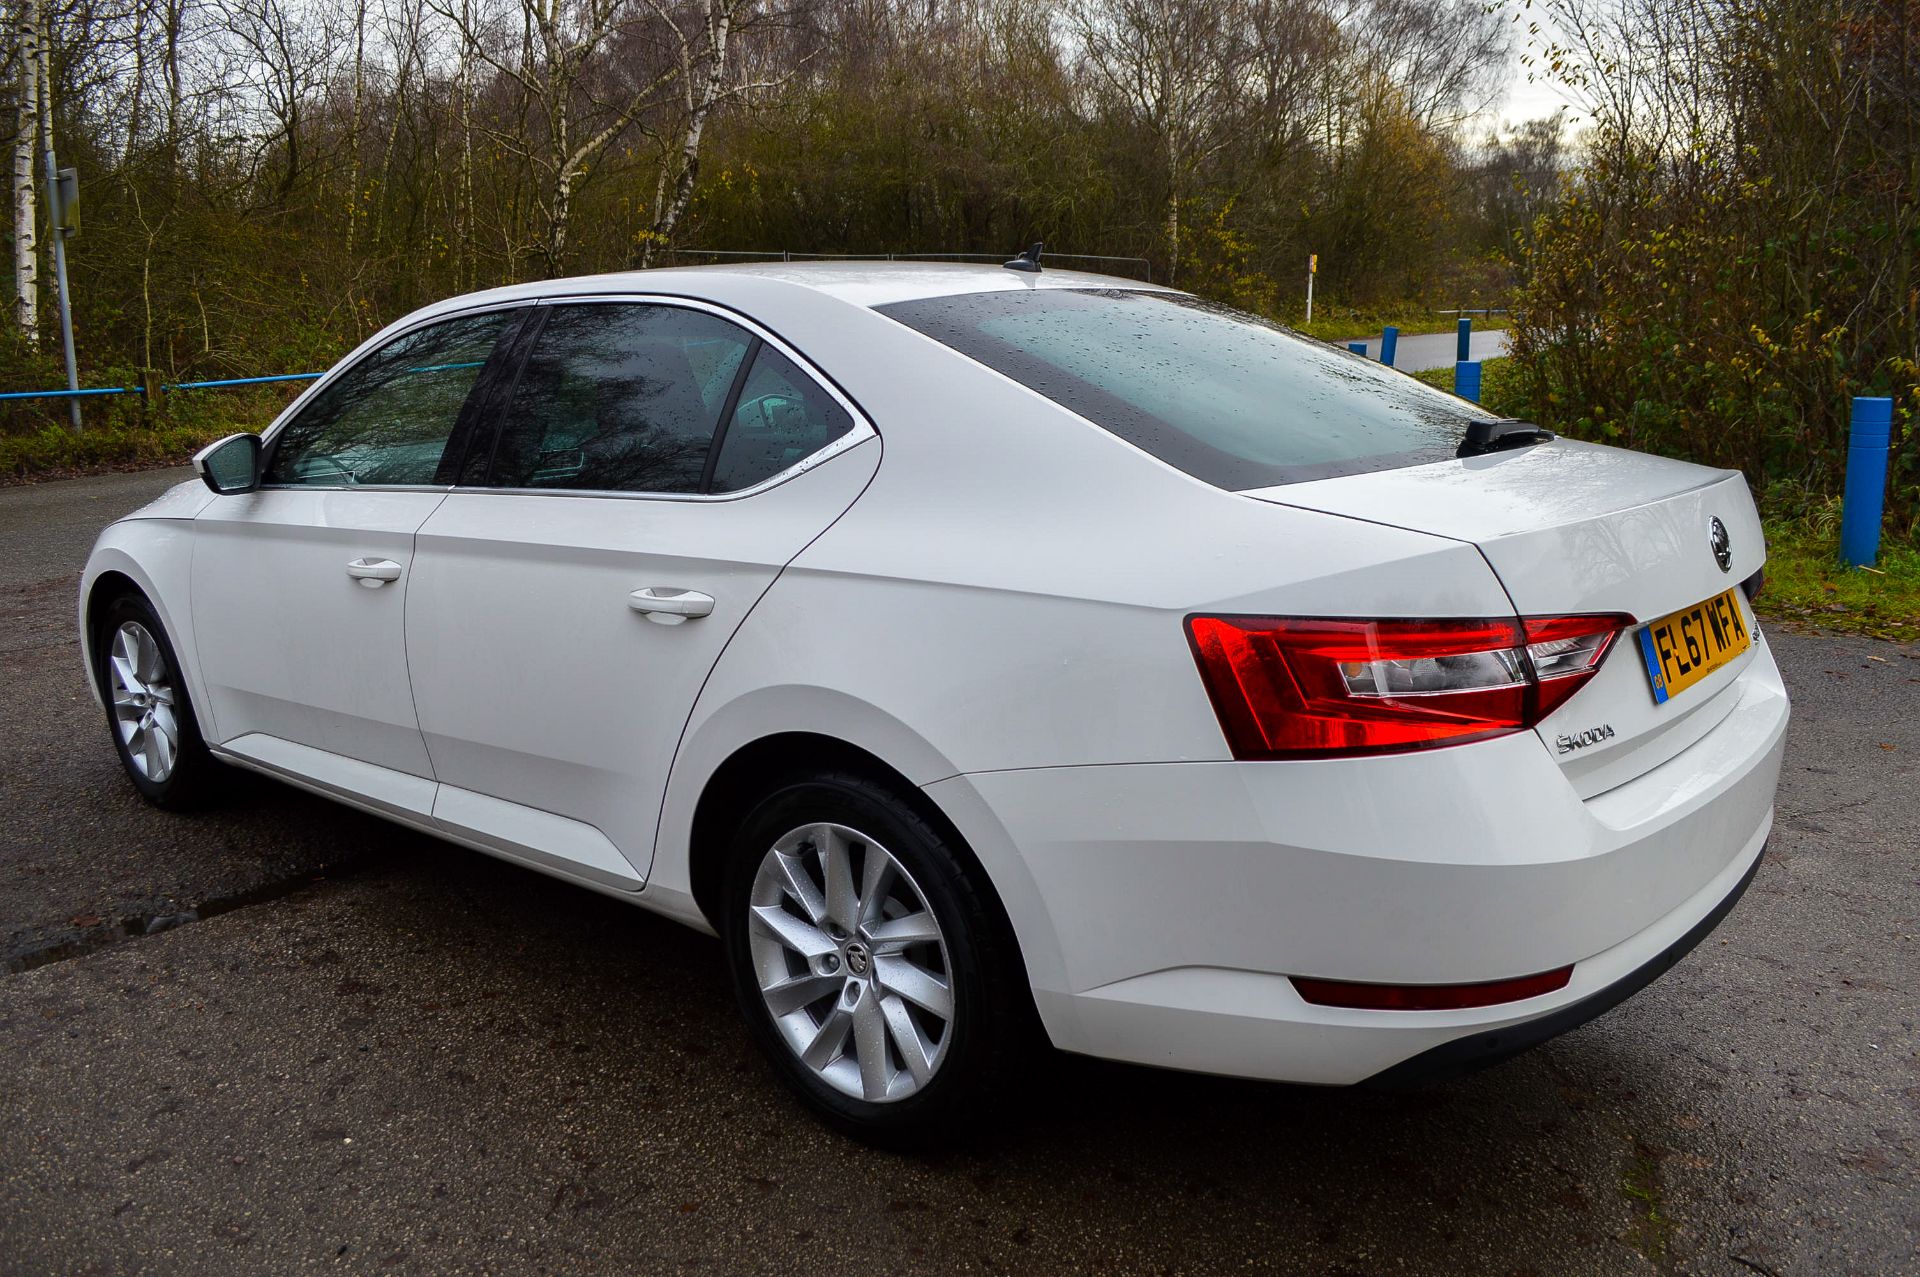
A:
x: 1421, y: 351
x: 286, y: 1037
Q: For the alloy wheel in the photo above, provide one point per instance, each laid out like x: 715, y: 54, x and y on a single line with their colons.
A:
x: 143, y: 702
x: 851, y: 962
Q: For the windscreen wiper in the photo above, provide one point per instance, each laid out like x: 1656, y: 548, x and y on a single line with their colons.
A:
x: 1497, y: 436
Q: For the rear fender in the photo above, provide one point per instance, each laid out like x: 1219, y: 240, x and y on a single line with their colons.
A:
x: 717, y: 732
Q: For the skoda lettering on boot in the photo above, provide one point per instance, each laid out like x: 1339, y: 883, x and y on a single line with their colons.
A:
x: 1566, y: 743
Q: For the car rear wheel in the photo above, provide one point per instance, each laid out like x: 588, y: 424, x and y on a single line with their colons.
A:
x: 871, y: 968
x: 148, y: 709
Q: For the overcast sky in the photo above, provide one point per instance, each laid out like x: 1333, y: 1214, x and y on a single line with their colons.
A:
x: 1529, y: 94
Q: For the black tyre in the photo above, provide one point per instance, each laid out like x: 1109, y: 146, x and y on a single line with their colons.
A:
x: 871, y: 966
x: 149, y: 712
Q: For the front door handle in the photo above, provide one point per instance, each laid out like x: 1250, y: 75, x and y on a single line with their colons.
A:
x: 670, y: 607
x: 373, y: 573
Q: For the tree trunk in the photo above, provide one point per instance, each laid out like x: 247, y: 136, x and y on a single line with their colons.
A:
x: 176, y: 21
x: 353, y: 128
x: 463, y: 272
x: 561, y: 206
x: 26, y: 257
x: 718, y: 28
x: 136, y: 114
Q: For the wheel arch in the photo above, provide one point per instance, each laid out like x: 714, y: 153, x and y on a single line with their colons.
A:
x: 154, y: 559
x: 730, y: 757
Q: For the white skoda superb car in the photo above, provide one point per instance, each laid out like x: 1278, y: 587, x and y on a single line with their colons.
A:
x: 990, y: 658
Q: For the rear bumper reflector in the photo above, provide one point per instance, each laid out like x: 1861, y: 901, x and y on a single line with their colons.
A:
x: 1429, y: 997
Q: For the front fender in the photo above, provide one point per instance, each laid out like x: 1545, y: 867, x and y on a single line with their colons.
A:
x: 157, y: 556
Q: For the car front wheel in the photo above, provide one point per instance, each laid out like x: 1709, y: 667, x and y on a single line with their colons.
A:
x: 872, y: 970
x: 148, y: 709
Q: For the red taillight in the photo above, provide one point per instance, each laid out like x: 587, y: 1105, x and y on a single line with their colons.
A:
x: 1429, y: 997
x: 1314, y: 688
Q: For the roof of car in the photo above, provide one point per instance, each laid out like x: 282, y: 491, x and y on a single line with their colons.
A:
x: 862, y: 283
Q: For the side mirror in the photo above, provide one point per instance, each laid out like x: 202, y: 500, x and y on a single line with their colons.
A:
x: 230, y: 466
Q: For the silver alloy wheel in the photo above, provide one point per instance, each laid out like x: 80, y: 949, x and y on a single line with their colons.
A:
x: 143, y: 706
x: 850, y: 962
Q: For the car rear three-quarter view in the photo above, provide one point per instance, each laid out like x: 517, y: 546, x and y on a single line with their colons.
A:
x: 990, y: 658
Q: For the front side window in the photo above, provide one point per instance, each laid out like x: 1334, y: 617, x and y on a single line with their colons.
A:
x: 1229, y: 398
x: 620, y: 397
x: 783, y: 417
x: 387, y: 419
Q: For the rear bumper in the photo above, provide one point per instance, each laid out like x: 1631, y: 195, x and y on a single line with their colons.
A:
x: 1162, y: 908
x: 1480, y: 1050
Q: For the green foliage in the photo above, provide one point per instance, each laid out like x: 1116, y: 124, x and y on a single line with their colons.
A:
x: 53, y: 451
x: 1722, y: 297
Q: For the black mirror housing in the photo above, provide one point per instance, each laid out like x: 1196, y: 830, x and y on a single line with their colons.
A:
x: 231, y: 465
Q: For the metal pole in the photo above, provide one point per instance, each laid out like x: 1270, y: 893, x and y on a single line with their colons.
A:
x: 1313, y: 263
x: 57, y: 219
x: 1466, y: 379
x: 1866, y: 491
x: 60, y: 282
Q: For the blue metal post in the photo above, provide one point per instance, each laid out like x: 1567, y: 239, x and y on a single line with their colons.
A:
x: 1389, y: 341
x: 1357, y: 347
x: 1465, y: 351
x: 1866, y: 482
x: 1466, y: 378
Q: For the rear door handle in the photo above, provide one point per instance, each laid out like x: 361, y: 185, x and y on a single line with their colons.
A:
x: 670, y: 607
x: 373, y: 573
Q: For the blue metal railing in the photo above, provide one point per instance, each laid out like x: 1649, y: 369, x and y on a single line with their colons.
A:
x: 72, y: 394
x: 142, y: 390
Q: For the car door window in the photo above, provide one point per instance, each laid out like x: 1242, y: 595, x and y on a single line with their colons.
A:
x: 387, y: 419
x: 620, y: 397
x: 783, y: 417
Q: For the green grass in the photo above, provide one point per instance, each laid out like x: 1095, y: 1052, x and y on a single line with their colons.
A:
x: 1497, y: 390
x: 55, y: 452
x: 1344, y: 323
x: 1807, y: 586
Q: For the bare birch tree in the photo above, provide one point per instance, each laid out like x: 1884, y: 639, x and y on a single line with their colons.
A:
x: 570, y: 124
x: 705, y: 80
x: 26, y: 248
x: 1176, y: 69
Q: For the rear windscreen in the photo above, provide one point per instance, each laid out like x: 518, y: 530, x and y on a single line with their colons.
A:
x: 1227, y: 397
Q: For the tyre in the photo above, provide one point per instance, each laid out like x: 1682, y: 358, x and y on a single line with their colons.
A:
x: 149, y: 713
x: 872, y: 968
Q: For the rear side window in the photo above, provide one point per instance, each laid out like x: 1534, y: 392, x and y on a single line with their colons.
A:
x: 1229, y: 398
x: 619, y: 398
x: 387, y: 419
x: 782, y: 418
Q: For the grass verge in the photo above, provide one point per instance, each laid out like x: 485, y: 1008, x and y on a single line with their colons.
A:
x: 1497, y: 389
x: 55, y: 452
x: 1806, y: 584
x: 1345, y: 323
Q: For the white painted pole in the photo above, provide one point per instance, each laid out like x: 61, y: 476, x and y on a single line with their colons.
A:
x: 1313, y: 267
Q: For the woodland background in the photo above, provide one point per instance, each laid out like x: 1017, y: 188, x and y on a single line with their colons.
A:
x: 1708, y: 261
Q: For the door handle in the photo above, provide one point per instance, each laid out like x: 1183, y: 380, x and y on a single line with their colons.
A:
x: 373, y: 573
x: 670, y: 607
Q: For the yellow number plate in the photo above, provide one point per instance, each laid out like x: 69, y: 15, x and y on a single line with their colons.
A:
x: 1684, y: 648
